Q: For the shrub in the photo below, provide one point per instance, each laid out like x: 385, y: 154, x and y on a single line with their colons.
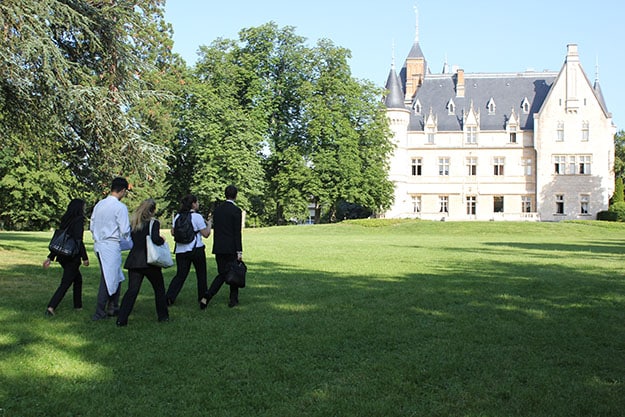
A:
x: 606, y: 215
x: 619, y: 209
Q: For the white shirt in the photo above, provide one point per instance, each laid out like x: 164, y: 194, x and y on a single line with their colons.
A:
x: 110, y: 221
x: 198, y: 224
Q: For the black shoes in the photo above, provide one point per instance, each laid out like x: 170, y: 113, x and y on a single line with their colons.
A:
x: 233, y: 303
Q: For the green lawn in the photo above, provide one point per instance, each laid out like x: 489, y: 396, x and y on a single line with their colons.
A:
x: 372, y: 318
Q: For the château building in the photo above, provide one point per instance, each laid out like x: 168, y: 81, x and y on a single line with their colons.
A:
x: 498, y: 146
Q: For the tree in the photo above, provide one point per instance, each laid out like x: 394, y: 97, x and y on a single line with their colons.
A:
x: 619, y: 157
x: 619, y: 196
x: 71, y: 87
x: 286, y: 122
x: 218, y: 141
x: 347, y: 137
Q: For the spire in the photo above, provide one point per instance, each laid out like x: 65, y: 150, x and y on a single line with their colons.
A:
x: 597, y: 88
x: 416, y: 35
x: 395, y: 97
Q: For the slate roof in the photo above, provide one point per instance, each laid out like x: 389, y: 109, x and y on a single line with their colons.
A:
x: 395, y: 97
x: 508, y: 91
x: 599, y: 94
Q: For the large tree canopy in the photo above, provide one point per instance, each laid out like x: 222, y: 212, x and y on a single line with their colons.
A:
x: 90, y: 90
x: 288, y: 124
x: 75, y: 75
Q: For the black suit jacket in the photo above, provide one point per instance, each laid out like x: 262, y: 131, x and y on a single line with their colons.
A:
x: 227, y: 229
x: 138, y: 256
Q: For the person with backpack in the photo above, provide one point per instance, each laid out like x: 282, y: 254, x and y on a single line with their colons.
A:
x: 188, y: 229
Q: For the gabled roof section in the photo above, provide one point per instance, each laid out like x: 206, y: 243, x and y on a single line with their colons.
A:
x: 395, y: 97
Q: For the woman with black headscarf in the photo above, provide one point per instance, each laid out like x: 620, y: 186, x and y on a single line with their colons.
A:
x: 73, y: 220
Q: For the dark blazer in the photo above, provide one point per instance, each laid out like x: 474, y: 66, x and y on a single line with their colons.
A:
x: 227, y: 229
x: 75, y: 228
x: 138, y: 256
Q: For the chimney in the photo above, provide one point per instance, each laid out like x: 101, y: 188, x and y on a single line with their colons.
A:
x: 460, y: 83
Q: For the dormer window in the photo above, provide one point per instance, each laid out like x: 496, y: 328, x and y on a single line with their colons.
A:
x: 525, y: 105
x: 491, y: 106
x: 451, y: 107
x: 417, y: 107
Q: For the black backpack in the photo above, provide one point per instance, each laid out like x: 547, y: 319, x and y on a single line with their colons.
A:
x: 183, y: 228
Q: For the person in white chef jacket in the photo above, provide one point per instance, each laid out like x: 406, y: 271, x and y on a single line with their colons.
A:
x: 110, y: 228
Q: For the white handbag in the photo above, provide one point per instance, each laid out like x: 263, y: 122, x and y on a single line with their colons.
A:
x: 158, y: 255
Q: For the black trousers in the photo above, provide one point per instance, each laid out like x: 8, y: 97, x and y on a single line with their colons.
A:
x: 197, y: 257
x: 71, y: 275
x: 222, y: 267
x: 106, y: 304
x: 135, y: 279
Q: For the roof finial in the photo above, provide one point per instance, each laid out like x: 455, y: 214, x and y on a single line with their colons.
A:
x: 393, y: 55
x: 416, y: 12
x: 597, y: 69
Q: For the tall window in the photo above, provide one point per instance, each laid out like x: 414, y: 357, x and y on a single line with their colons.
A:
x: 585, y: 131
x: 559, y: 203
x: 526, y: 204
x: 584, y: 200
x: 560, y: 132
x: 512, y: 137
x: 571, y: 164
x: 471, y: 134
x: 472, y: 166
x: 584, y: 164
x: 443, y: 166
x: 498, y: 163
x: 528, y: 166
x: 471, y: 204
x: 443, y: 201
x: 498, y: 204
x: 416, y: 166
x: 559, y: 162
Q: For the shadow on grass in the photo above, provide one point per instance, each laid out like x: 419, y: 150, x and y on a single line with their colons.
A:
x: 480, y: 338
x: 609, y: 247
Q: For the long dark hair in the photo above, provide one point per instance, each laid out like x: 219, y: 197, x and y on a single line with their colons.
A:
x: 75, y: 211
x: 186, y: 204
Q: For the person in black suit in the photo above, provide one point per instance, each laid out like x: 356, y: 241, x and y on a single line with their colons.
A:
x: 227, y: 245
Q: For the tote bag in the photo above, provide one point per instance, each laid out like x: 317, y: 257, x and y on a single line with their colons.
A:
x: 63, y: 244
x: 158, y: 255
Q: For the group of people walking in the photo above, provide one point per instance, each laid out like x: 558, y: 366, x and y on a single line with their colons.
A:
x: 114, y: 231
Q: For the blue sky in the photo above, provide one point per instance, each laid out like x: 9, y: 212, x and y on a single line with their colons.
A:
x: 484, y: 36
